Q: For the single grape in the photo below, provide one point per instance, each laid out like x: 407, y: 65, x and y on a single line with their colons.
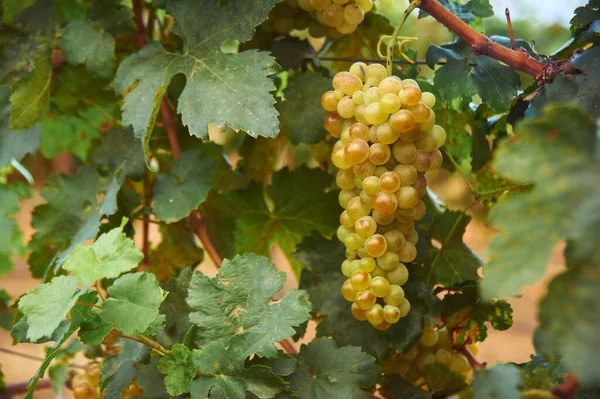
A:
x: 348, y: 292
x: 412, y: 237
x: 378, y: 272
x: 459, y: 363
x: 389, y: 182
x: 384, y: 203
x: 395, y: 240
x: 375, y: 314
x: 366, y: 199
x: 398, y: 276
x: 429, y: 123
x: 373, y: 134
x: 429, y: 337
x: 405, y: 215
x: 404, y: 153
x: 383, y: 326
x: 442, y: 356
x: 426, y: 142
x: 371, y: 185
x: 402, y: 121
x: 365, y: 226
x: 404, y: 308
x: 407, y: 253
x: 375, y: 245
x: 345, y: 196
x: 358, y: 313
x: 283, y: 25
x: 388, y: 261
x: 380, y: 287
x: 390, y: 103
x: 361, y: 280
x: 410, y: 82
x: 346, y: 28
x: 436, y: 159
x: 444, y: 339
x: 380, y: 170
x: 328, y: 102
x: 305, y: 5
x: 365, y: 299
x: 345, y: 179
x: 356, y: 209
x: 358, y: 97
x: 359, y: 69
x: 364, y: 169
x: 395, y: 296
x: 374, y: 114
x: 358, y: 183
x: 333, y: 124
x: 425, y: 359
x: 421, y: 184
x: 379, y: 153
x: 345, y: 220
x: 385, y: 134
x: 412, y: 135
x: 359, y: 114
x: 316, y: 29
x: 346, y: 107
x: 422, y: 161
x: 439, y: 134
x: 405, y: 228
x: 337, y: 79
x: 353, y: 14
x: 407, y: 173
x: 359, y: 131
x: 351, y: 255
x: 367, y: 264
x: 353, y: 241
x: 410, y: 95
x: 420, y: 210
x: 391, y: 314
x: 377, y: 71
x: 342, y: 232
x: 420, y: 112
x: 383, y: 220
x: 428, y: 99
x: 407, y: 196
x: 390, y: 84
x: 372, y: 95
x: 357, y: 151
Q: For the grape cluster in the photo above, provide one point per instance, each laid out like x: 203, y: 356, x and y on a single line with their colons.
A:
x: 388, y: 139
x: 320, y: 17
x: 435, y: 346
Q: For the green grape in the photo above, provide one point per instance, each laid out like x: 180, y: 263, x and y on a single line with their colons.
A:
x: 345, y: 220
x: 333, y: 124
x: 328, y: 101
x: 358, y: 183
x: 444, y: 339
x: 420, y: 210
x: 398, y: 276
x: 342, y: 232
x: 385, y: 203
x: 365, y: 226
x: 371, y: 185
x: 380, y: 287
x: 410, y: 95
x: 390, y: 103
x: 345, y: 179
x: 385, y: 134
x: 436, y: 159
x: 395, y: 240
x: 380, y: 170
x: 348, y: 292
x: 378, y: 272
x: 315, y: 29
x: 353, y: 241
x: 359, y: 69
x: 359, y: 131
x: 358, y: 97
x: 395, y: 296
x: 422, y: 161
x: 388, y: 261
x: 379, y: 153
x: 428, y: 99
x: 305, y: 5
x: 375, y: 245
x: 376, y: 71
x: 372, y: 95
x: 361, y: 280
x: 405, y: 215
x: 338, y: 94
x: 367, y: 264
x: 356, y: 209
x: 407, y: 253
x: 390, y: 84
x: 375, y: 314
x: 345, y: 196
x: 442, y: 356
x: 404, y: 152
x: 365, y: 299
x: 425, y: 359
x: 346, y: 268
x: 351, y: 255
x: 411, y: 354
x: 421, y: 184
x: 404, y: 308
x: 420, y: 112
x: 426, y: 142
x: 459, y: 363
x: 407, y: 196
x: 402, y: 121
x: 383, y: 220
x: 407, y: 173
x: 359, y: 114
x: 358, y: 313
x: 439, y: 134
x: 405, y: 228
x: 412, y: 237
x: 389, y: 182
x: 364, y: 169
x: 353, y: 14
x: 346, y: 107
x: 347, y: 28
x: 357, y: 151
x: 366, y: 199
x: 409, y: 82
x: 429, y: 337
x: 374, y: 114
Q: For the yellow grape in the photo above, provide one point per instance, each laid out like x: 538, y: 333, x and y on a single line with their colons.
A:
x: 353, y: 241
x: 389, y: 182
x: 407, y: 173
x: 429, y: 337
x: 383, y: 326
x: 353, y: 14
x: 328, y: 101
x: 380, y: 287
x: 404, y: 152
x: 395, y: 240
x: 346, y: 28
x: 410, y: 95
x: 366, y: 5
x: 391, y: 314
x: 345, y: 196
x: 366, y: 226
x: 375, y: 314
x: 385, y: 133
x: 439, y: 134
x: 422, y: 162
x: 379, y: 153
x: 359, y: 114
x: 381, y: 219
x: 349, y: 84
x: 372, y: 95
x: 395, y: 297
x: 359, y: 131
x: 346, y: 107
x: 404, y: 308
x: 333, y: 124
x: 356, y: 151
x: 407, y: 196
x: 390, y: 103
x: 412, y: 237
x: 420, y: 112
x: 371, y: 185
x: 428, y: 99
x: 366, y: 199
x: 409, y: 82
x: 365, y: 299
x: 358, y: 313
x: 376, y: 71
x: 333, y: 16
x: 444, y: 339
x: 398, y: 276
x: 380, y: 170
x: 358, y: 69
x: 358, y: 97
x: 345, y: 179
x: 405, y: 215
x: 402, y: 121
x: 421, y: 184
x: 364, y: 169
x: 345, y: 220
x: 337, y: 79
x: 436, y: 159
x: 407, y: 253
x: 385, y: 203
x: 375, y: 245
x: 459, y: 363
x: 388, y: 261
x: 348, y: 291
x: 357, y: 209
x: 367, y: 264
x: 361, y: 280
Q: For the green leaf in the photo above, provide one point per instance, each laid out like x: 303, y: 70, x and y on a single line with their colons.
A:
x: 519, y: 253
x: 20, y: 329
x: 300, y: 205
x: 112, y: 254
x: 30, y: 95
x: 11, y: 236
x: 334, y: 372
x: 441, y: 380
x: 453, y: 263
x: 82, y: 43
x: 497, y: 382
x: 239, y: 299
x: 92, y: 330
x: 301, y: 113
x: 470, y: 12
x: 67, y: 133
x: 149, y: 378
x: 459, y: 142
x: 224, y: 370
x: 112, y: 16
x: 6, y: 311
x: 219, y: 218
x: 12, y: 8
x: 133, y: 303
x: 396, y: 387
x: 232, y: 89
x: 48, y: 304
x: 119, y: 151
x: 118, y: 371
x: 58, y: 373
x: 492, y: 187
x: 465, y: 75
x: 182, y: 191
x: 179, y: 369
x: 541, y: 374
x: 14, y: 144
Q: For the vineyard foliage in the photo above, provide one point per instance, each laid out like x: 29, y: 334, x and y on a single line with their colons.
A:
x: 202, y: 121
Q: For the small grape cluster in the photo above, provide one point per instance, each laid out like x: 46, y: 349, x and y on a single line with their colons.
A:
x: 320, y: 17
x: 435, y: 346
x: 388, y: 140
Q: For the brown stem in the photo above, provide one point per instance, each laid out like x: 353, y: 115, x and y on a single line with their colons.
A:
x: 146, y: 222
x: 144, y: 341
x: 150, y: 24
x: 481, y: 44
x: 288, y: 347
x: 567, y: 389
x: 19, y: 388
x: 473, y: 361
x: 510, y: 30
x: 168, y: 119
x: 371, y: 395
x: 89, y: 305
x: 138, y: 11
x: 200, y: 231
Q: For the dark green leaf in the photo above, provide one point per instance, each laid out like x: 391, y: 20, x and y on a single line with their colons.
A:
x: 119, y: 151
x: 497, y: 382
x: 81, y: 43
x: 11, y: 243
x: 175, y: 309
x: 396, y: 387
x: 441, y: 380
x: 112, y: 16
x: 118, y: 371
x: 149, y: 378
x: 14, y: 144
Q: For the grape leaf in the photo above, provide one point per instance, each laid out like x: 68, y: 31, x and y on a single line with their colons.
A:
x: 300, y: 205
x: 465, y: 75
x: 118, y: 151
x: 118, y: 371
x: 441, y: 380
x: 396, y: 387
x: 324, y: 370
x: 133, y: 303
x: 14, y: 144
x: 48, y: 304
x: 541, y: 374
x: 239, y: 299
x: 453, y: 263
x: 232, y: 89
x: 176, y: 309
x: 112, y: 16
x: 67, y: 133
x: 301, y: 113
x: 179, y: 369
x: 182, y: 191
x: 224, y: 370
x: 92, y: 330
x: 497, y: 382
x: 458, y: 142
x: 176, y: 251
x: 582, y: 89
x: 470, y: 12
x: 30, y: 95
x: 519, y: 253
x: 6, y: 311
x: 10, y: 234
x: 97, y: 51
x: 219, y: 218
x: 112, y: 254
x: 12, y: 8
x: 151, y: 380
x: 491, y: 187
x: 58, y: 373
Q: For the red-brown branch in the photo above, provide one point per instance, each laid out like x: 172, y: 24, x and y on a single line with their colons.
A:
x: 19, y: 388
x: 481, y: 44
x: 288, y: 347
x: 513, y: 44
x: 567, y: 389
x: 200, y: 231
x: 168, y: 120
x: 138, y: 18
x: 473, y: 361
